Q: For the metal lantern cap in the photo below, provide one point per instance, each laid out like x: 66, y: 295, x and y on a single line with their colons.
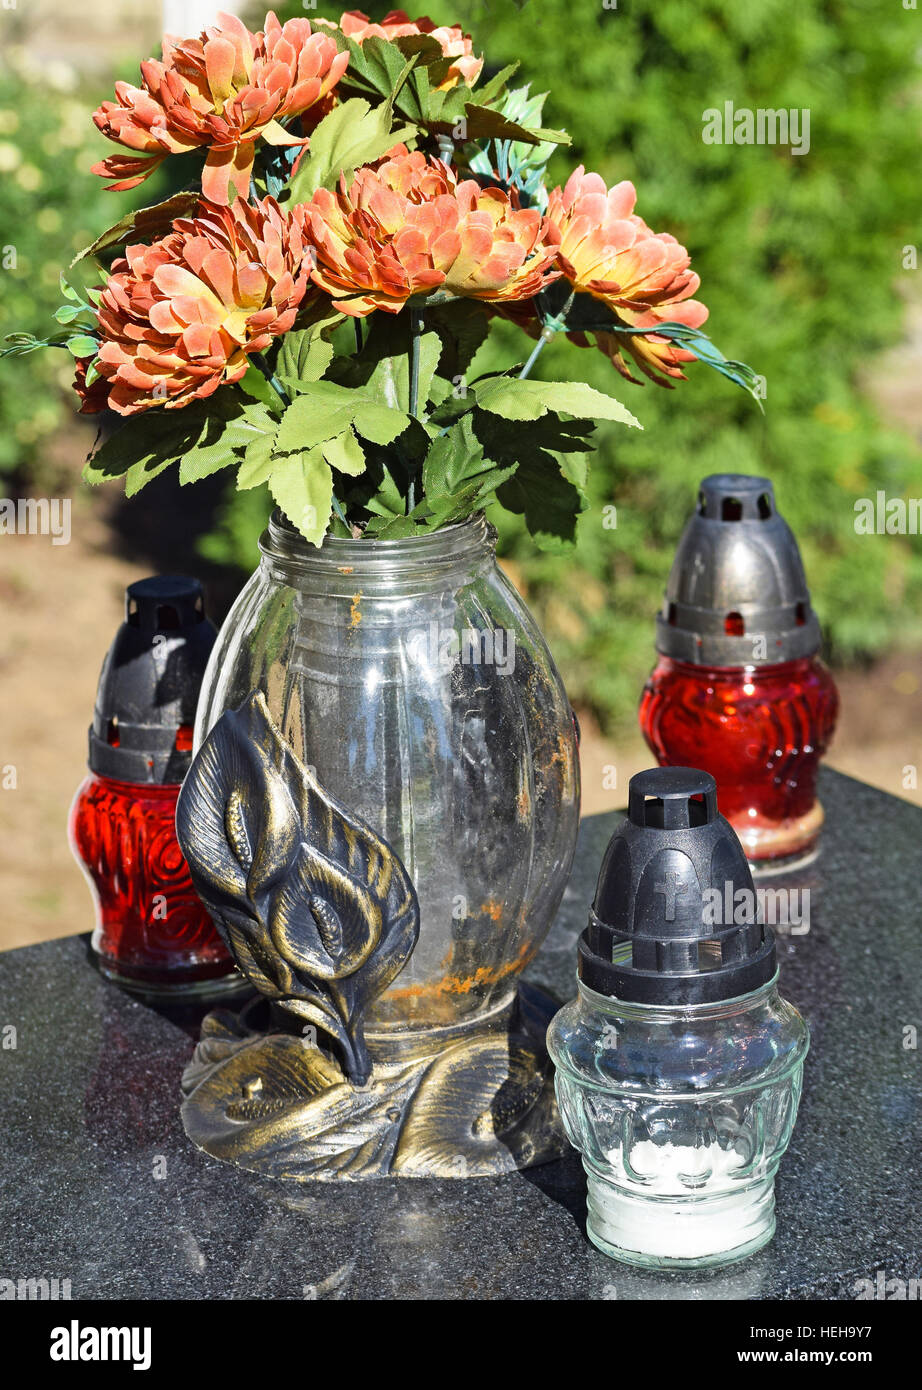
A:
x: 656, y: 932
x: 737, y: 594
x: 150, y: 681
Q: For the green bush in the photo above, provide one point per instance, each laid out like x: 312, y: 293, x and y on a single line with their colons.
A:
x: 52, y: 206
x: 800, y: 258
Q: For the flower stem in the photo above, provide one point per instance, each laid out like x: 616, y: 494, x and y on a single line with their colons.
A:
x: 536, y: 352
x: 416, y: 330
x: 259, y: 361
x: 550, y: 326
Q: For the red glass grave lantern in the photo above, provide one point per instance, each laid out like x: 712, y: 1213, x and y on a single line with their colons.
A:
x: 738, y: 689
x: 153, y: 935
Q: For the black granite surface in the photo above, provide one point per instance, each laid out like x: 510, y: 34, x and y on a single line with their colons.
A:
x: 99, y: 1185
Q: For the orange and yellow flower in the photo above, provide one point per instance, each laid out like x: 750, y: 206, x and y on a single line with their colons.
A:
x: 406, y: 227
x: 222, y: 91
x: 607, y: 251
x: 180, y: 317
x: 397, y: 24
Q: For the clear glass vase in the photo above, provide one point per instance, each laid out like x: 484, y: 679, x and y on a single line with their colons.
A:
x: 410, y: 676
x: 682, y: 1116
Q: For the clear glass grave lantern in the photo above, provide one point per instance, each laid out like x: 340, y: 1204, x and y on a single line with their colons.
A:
x: 738, y: 687
x: 679, y: 1065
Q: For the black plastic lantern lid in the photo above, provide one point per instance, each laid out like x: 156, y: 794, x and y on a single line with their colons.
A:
x: 737, y: 594
x: 658, y: 931
x: 150, y: 681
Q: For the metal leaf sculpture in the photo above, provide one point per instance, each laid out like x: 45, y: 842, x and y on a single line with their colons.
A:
x: 317, y: 909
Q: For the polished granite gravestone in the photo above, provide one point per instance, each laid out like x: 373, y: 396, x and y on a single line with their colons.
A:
x: 99, y: 1185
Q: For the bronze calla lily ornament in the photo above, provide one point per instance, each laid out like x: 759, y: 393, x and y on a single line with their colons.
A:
x: 317, y: 909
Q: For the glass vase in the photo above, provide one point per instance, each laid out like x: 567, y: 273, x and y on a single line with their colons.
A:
x: 410, y: 676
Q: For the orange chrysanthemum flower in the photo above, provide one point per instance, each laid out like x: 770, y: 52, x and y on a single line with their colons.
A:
x: 406, y: 227
x: 180, y: 317
x: 398, y: 25
x: 222, y: 91
x: 607, y: 251
x: 93, y: 398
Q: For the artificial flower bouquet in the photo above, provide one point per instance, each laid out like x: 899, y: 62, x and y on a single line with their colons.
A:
x: 363, y: 203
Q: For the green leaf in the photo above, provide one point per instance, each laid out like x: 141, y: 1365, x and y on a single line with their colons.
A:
x: 344, y: 453
x: 254, y: 384
x: 514, y: 399
x: 79, y: 344
x: 313, y: 418
x: 258, y: 462
x: 423, y: 46
x: 549, y: 503
x: 392, y: 375
x: 68, y: 290
x: 146, y: 224
x: 581, y: 313
x: 201, y: 438
x: 227, y: 432
x: 302, y: 485
x: 378, y: 423
x: 395, y: 529
x: 304, y: 355
x: 575, y: 468
x: 257, y: 431
x: 141, y: 473
x: 454, y: 456
x: 374, y: 369
x: 486, y: 123
x: 379, y: 70
x: 382, y: 369
x: 388, y: 499
x: 145, y: 445
x: 462, y: 326
x: 325, y: 409
x: 489, y: 92
x: 83, y: 345
x: 693, y: 340
x: 551, y: 455
x: 18, y: 344
x: 351, y: 135
x: 67, y: 313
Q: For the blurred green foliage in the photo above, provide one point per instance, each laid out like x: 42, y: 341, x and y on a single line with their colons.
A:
x: 51, y: 207
x: 800, y: 259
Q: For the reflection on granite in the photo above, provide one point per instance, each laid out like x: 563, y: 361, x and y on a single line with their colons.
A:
x: 100, y: 1185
